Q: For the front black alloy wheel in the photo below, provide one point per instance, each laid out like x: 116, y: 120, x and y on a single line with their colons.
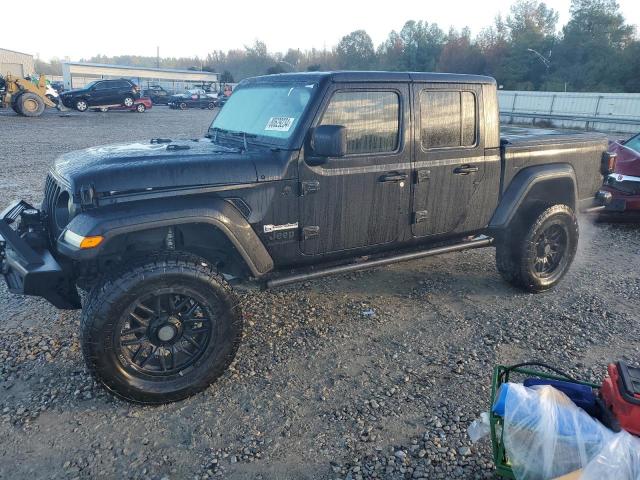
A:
x: 162, y: 330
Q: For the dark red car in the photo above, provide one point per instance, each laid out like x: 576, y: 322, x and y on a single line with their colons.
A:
x: 624, y: 182
x: 140, y: 105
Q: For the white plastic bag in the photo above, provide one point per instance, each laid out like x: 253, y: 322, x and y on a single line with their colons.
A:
x: 546, y: 436
x: 479, y: 428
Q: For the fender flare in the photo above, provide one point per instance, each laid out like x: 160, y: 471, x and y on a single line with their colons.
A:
x: 522, y: 185
x: 115, y: 220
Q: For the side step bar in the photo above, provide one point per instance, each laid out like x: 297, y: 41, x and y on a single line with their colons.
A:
x: 352, y: 267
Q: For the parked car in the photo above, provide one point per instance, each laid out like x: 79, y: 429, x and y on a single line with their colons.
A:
x: 300, y: 176
x: 141, y: 105
x: 623, y: 185
x: 157, y: 94
x: 101, y: 93
x: 224, y: 95
x: 192, y: 100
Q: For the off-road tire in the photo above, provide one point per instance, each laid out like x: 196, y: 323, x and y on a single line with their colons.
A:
x: 15, y: 104
x: 517, y: 253
x: 107, y: 303
x: 30, y: 104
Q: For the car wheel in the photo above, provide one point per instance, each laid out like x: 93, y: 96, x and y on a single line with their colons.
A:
x: 161, y: 331
x: 128, y: 101
x: 140, y: 108
x: 183, y: 106
x: 541, y: 252
x: 211, y: 106
x: 30, y: 104
x: 81, y: 105
x: 104, y: 109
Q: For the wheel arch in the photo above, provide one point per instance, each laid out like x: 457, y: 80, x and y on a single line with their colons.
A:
x: 534, y: 188
x: 204, y: 231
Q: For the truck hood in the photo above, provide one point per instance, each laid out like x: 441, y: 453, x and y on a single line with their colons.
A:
x: 143, y: 166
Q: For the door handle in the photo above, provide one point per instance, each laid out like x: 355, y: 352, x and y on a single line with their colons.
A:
x: 393, y: 177
x: 465, y: 169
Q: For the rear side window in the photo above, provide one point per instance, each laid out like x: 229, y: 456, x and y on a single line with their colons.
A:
x: 101, y: 86
x: 372, y: 120
x: 447, y: 119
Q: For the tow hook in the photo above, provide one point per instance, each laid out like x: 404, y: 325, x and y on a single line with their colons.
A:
x: 604, y: 197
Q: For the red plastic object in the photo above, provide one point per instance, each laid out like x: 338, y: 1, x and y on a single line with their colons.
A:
x: 621, y: 393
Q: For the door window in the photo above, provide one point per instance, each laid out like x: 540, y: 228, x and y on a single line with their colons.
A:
x: 371, y: 119
x: 101, y: 86
x: 447, y: 119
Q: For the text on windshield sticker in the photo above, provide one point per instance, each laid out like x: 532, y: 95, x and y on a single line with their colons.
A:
x: 279, y: 124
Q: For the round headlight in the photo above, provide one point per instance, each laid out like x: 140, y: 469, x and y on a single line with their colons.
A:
x: 61, y: 211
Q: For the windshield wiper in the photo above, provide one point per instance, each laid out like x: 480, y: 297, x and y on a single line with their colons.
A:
x: 235, y: 133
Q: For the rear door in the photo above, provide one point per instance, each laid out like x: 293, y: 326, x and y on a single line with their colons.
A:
x: 118, y: 90
x: 361, y: 199
x: 449, y: 161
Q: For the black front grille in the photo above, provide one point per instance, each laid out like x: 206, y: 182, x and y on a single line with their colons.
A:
x: 51, y: 192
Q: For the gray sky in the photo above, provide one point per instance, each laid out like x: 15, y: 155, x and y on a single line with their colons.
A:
x: 85, y: 28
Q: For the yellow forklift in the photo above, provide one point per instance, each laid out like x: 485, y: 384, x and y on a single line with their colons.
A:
x: 24, y: 96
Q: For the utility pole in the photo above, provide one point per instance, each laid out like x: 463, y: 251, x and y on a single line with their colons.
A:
x: 158, y: 56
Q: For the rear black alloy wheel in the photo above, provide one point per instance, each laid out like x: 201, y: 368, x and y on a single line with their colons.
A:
x: 161, y: 331
x: 550, y: 250
x: 537, y: 253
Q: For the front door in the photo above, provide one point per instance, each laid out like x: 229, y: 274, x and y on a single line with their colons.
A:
x: 363, y: 198
x: 98, y: 94
x: 449, y: 163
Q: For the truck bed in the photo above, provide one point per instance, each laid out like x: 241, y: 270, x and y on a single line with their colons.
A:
x: 583, y: 151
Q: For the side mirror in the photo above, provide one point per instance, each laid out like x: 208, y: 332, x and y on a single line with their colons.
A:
x: 329, y: 141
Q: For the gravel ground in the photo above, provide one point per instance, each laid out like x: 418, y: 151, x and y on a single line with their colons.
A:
x: 368, y: 375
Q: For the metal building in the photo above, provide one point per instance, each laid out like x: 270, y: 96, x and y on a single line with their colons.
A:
x: 78, y: 74
x: 16, y: 63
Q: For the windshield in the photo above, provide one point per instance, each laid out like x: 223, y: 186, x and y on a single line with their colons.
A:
x: 633, y: 143
x: 271, y: 112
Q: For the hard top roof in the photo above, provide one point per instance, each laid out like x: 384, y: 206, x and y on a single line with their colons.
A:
x: 373, y: 76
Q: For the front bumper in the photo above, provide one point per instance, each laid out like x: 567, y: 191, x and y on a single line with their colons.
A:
x: 619, y: 202
x: 33, y: 271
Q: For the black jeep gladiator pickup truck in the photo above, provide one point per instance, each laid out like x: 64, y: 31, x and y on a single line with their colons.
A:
x: 299, y: 176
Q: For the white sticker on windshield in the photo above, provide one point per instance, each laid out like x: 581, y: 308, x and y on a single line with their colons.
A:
x: 279, y: 124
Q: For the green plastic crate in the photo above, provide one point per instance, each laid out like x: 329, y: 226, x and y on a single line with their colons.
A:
x: 501, y: 375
